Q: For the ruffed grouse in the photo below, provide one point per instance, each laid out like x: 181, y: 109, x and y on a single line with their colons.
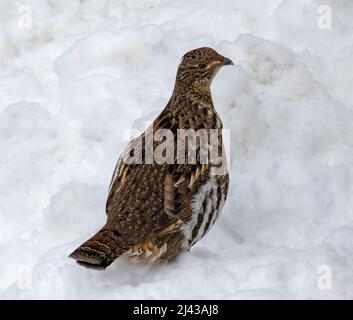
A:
x: 159, y: 208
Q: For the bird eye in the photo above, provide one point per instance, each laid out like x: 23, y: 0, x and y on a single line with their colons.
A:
x: 202, y: 66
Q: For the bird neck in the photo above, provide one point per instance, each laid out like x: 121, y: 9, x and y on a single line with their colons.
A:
x: 196, y: 93
x: 188, y: 108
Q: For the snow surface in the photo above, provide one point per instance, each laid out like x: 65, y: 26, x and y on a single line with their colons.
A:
x: 88, y: 71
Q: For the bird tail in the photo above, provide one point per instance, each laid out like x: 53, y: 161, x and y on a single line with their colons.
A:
x: 99, y: 251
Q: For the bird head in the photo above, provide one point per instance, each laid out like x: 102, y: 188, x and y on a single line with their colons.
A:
x: 199, y: 66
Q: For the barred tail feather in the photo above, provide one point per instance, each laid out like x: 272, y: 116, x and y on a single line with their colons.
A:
x: 99, y: 251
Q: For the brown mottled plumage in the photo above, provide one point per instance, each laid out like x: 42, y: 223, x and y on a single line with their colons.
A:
x: 157, y: 211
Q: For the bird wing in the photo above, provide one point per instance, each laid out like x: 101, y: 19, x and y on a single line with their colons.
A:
x: 150, y: 199
x: 121, y: 167
x: 165, y: 194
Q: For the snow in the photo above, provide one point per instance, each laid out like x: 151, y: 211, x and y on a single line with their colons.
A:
x: 89, y: 74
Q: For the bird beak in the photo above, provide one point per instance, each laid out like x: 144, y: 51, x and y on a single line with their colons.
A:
x: 227, y: 62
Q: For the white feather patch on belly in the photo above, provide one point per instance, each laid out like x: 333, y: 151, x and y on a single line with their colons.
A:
x: 203, y: 196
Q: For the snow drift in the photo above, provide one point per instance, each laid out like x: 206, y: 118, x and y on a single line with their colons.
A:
x: 87, y: 73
